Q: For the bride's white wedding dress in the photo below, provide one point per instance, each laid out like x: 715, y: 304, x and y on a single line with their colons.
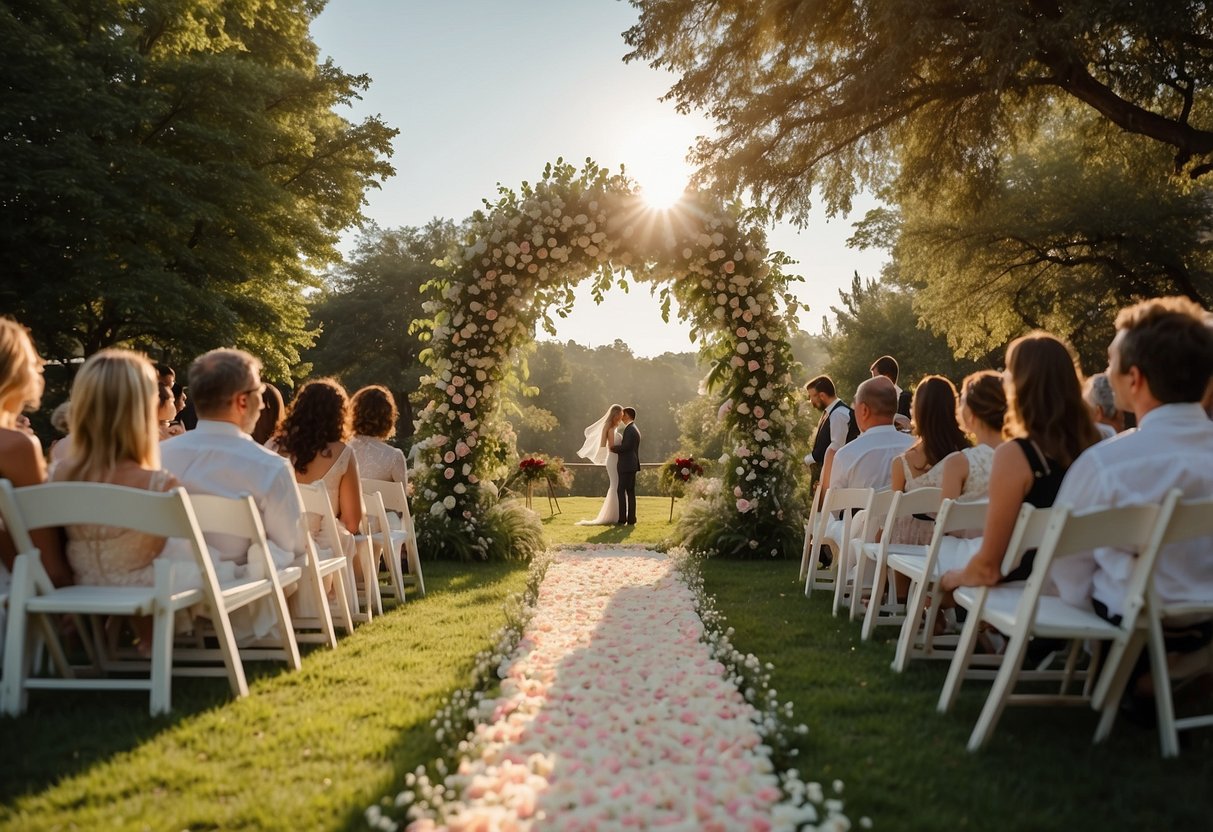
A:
x: 596, y: 452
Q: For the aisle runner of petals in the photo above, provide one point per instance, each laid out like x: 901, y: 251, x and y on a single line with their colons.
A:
x: 613, y: 714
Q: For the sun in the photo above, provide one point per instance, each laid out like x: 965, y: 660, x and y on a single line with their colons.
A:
x: 656, y: 159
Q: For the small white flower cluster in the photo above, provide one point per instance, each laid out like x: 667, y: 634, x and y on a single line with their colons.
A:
x: 805, y: 805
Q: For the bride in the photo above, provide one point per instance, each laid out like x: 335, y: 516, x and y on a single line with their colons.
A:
x: 598, y: 439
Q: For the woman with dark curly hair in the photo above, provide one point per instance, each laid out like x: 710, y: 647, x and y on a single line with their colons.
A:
x: 375, y: 416
x: 313, y: 437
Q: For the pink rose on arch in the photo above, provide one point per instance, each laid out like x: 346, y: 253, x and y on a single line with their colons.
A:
x: 461, y: 450
x: 448, y: 457
x: 752, y: 366
x: 728, y: 267
x: 744, y: 505
x: 491, y: 315
x: 737, y: 491
x: 524, y: 247
x: 449, y: 473
x: 763, y: 424
x: 758, y: 411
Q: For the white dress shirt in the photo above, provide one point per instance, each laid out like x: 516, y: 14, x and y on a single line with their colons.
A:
x: 867, y: 462
x: 218, y: 458
x: 1171, y: 448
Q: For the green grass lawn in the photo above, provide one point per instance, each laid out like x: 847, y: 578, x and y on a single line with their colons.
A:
x: 306, y: 750
x: 906, y: 766
x: 652, y: 521
x: 311, y: 750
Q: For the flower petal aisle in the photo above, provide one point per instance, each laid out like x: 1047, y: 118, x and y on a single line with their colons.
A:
x: 613, y: 714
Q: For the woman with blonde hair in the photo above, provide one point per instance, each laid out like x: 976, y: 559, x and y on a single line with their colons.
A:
x: 1049, y: 425
x: 21, y: 461
x: 116, y: 440
x: 599, y: 437
x: 314, y: 437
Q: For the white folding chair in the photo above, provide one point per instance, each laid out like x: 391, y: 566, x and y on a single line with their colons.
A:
x: 810, y: 529
x: 834, y: 531
x: 387, y: 556
x: 1022, y: 612
x: 905, y: 504
x: 1190, y: 520
x: 361, y: 608
x: 33, y: 599
x: 239, y: 517
x: 873, y: 524
x: 395, y: 499
x: 334, y: 566
x: 917, y: 638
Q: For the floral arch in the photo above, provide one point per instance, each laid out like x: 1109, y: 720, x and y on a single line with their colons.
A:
x: 525, y: 252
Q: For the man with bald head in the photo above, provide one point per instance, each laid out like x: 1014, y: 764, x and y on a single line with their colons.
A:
x: 867, y: 462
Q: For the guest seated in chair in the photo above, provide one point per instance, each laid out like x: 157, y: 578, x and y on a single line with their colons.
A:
x: 21, y: 461
x: 1049, y: 425
x: 1159, y: 364
x: 219, y: 457
x: 115, y: 440
x: 375, y: 416
x: 272, y: 411
x: 982, y: 411
x: 314, y: 438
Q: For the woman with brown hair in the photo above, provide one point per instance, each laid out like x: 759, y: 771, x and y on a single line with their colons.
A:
x: 270, y: 420
x: 375, y: 416
x: 982, y: 412
x: 934, y: 409
x: 21, y: 461
x: 1049, y: 425
x: 313, y: 437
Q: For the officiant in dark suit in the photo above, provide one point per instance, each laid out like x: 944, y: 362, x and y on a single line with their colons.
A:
x: 629, y: 464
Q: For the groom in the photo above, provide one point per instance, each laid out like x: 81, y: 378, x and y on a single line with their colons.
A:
x: 629, y: 463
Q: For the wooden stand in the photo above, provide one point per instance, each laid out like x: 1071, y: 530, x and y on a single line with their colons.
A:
x: 553, y: 502
x: 672, y: 499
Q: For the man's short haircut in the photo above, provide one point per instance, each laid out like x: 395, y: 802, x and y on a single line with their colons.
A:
x: 631, y: 412
x: 881, y: 399
x: 1097, y: 390
x: 215, y: 377
x: 164, y: 370
x: 822, y: 384
x: 886, y: 366
x: 1170, y: 340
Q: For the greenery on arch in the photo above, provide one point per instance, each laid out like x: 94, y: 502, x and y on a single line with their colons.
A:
x: 521, y: 257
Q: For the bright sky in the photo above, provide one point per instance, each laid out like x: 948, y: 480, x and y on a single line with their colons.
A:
x: 485, y: 91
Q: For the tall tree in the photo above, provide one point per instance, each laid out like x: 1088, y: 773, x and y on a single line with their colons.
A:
x: 370, y: 302
x: 173, y: 173
x: 1060, y: 240
x: 877, y: 318
x: 845, y: 94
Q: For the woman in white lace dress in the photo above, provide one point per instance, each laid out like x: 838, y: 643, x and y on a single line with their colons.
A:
x: 599, y: 437
x: 939, y: 435
x: 375, y: 416
x: 983, y: 409
x: 314, y: 438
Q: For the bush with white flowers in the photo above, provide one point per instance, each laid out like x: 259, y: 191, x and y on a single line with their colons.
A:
x: 523, y: 254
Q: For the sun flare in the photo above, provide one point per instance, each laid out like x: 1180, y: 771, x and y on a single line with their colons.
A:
x: 656, y: 159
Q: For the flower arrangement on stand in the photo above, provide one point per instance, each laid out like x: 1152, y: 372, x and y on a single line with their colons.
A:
x: 676, y: 473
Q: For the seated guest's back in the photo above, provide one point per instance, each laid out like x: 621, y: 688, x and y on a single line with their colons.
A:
x: 21, y: 461
x: 1159, y: 364
x: 1049, y: 426
x: 982, y: 411
x: 939, y: 435
x: 375, y: 416
x: 867, y: 462
x: 219, y: 457
x: 114, y: 440
x: 313, y: 437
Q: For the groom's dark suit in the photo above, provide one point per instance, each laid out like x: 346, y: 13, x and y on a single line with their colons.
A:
x: 629, y: 463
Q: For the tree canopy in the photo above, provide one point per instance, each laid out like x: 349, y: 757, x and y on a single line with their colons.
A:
x: 845, y: 94
x: 173, y: 174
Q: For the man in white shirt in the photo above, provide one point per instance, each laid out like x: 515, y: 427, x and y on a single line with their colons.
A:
x: 1159, y: 365
x: 219, y: 457
x: 867, y: 462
